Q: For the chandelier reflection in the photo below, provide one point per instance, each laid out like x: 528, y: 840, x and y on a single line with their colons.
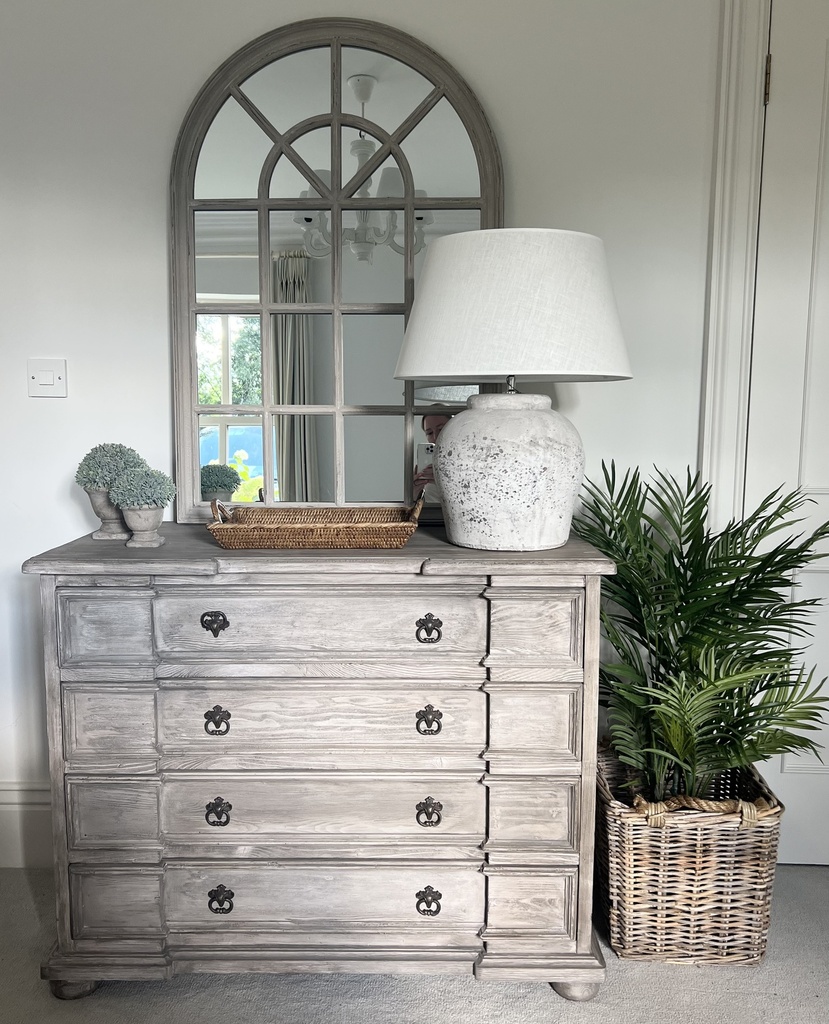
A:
x: 374, y: 227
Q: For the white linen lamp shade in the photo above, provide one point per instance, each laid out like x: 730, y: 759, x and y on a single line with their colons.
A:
x: 532, y: 303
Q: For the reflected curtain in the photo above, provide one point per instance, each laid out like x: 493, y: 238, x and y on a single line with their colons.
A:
x: 297, y: 469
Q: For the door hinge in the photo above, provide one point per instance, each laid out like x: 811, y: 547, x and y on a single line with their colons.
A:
x: 767, y: 83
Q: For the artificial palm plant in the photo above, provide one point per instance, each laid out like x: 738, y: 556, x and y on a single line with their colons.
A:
x: 704, y: 626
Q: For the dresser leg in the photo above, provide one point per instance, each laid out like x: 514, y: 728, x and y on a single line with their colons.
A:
x: 576, y: 991
x: 72, y: 989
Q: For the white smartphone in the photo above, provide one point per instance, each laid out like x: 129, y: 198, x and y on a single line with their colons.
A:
x: 425, y: 454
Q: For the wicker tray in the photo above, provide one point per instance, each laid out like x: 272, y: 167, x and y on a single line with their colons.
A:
x: 687, y: 881
x: 335, y: 527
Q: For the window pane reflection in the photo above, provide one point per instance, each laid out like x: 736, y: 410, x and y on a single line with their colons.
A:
x: 304, y: 455
x: 234, y: 441
x: 371, y: 345
x: 303, y: 360
x: 372, y: 458
x: 227, y: 256
x: 229, y: 359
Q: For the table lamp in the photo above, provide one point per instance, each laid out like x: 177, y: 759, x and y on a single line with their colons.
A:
x: 526, y: 304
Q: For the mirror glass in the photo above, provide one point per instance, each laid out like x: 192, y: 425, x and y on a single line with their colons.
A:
x: 398, y: 91
x: 373, y: 471
x: 226, y: 256
x: 292, y: 296
x: 231, y: 156
x: 371, y: 344
x: 303, y: 359
x: 229, y: 359
x: 293, y: 88
x: 234, y: 440
x: 442, y: 131
x: 304, y: 456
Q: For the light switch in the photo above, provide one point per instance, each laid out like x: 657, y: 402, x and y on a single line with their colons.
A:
x: 46, y: 378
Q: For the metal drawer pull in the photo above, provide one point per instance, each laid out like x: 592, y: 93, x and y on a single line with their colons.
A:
x: 428, y: 813
x: 214, y: 622
x: 428, y: 721
x: 428, y: 901
x: 220, y: 900
x: 216, y: 721
x: 427, y: 627
x: 218, y: 812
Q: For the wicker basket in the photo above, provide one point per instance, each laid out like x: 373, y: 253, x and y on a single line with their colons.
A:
x: 334, y: 527
x: 687, y: 881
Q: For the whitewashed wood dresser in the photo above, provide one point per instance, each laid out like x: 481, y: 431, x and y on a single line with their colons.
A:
x: 322, y: 761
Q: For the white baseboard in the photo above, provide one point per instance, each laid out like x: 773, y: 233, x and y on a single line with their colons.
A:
x: 25, y: 826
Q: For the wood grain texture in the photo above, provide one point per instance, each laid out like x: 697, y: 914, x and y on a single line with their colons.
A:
x: 289, y: 716
x: 328, y: 804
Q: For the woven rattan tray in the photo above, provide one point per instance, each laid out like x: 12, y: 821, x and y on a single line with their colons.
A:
x: 334, y: 527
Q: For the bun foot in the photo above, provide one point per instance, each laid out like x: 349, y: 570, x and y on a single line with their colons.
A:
x: 576, y: 991
x: 72, y: 989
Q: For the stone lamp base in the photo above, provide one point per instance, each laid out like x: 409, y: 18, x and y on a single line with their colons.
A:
x: 144, y: 523
x: 510, y: 469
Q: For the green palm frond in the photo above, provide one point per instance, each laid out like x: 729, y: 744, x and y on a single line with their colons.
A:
x: 706, y: 627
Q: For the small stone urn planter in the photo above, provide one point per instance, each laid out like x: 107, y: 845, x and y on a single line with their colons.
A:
x: 218, y: 482
x: 144, y: 523
x: 113, y: 526
x: 142, y: 495
x: 96, y: 472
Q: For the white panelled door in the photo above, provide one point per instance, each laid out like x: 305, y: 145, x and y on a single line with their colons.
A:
x: 788, y: 429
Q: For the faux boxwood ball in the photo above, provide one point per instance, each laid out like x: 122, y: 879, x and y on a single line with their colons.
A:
x: 140, y: 487
x: 219, y: 477
x: 100, y: 466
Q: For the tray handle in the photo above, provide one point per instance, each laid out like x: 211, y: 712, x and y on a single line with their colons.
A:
x: 221, y: 513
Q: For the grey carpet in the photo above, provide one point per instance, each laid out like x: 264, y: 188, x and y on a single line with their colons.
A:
x: 790, y: 987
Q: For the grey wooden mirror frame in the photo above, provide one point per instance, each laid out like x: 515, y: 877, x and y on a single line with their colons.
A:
x: 224, y: 83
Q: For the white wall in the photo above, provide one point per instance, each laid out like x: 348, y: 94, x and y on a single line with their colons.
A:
x: 604, y: 110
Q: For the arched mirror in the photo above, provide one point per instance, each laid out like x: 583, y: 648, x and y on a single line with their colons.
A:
x: 310, y: 176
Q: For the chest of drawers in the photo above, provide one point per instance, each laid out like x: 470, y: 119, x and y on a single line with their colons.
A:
x: 325, y: 761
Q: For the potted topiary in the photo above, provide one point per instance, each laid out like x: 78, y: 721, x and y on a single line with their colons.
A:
x: 142, y: 494
x: 218, y: 482
x: 701, y: 681
x: 95, y: 474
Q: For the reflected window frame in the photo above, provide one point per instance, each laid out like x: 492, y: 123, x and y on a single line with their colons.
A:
x: 337, y: 34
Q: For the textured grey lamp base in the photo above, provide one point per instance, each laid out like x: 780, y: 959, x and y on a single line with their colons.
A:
x: 510, y: 469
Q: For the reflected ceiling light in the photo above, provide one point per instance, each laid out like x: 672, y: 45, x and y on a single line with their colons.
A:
x: 374, y: 227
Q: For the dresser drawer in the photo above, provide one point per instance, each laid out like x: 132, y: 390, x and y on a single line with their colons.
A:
x: 431, y: 622
x: 115, y: 903
x: 421, y: 898
x: 212, y: 808
x: 531, y: 911
x: 232, y: 718
x: 104, y: 625
x: 536, y: 634
x: 227, y: 808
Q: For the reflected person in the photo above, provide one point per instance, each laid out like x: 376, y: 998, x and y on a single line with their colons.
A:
x: 424, y: 479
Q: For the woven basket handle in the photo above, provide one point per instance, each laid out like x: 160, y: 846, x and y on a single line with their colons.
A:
x: 221, y: 513
x: 654, y: 813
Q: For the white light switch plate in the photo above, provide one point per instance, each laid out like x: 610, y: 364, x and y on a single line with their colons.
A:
x: 46, y: 378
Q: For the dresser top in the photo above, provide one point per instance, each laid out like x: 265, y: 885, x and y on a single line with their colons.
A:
x: 192, y: 551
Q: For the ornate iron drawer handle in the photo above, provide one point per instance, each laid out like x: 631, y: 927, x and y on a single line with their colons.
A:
x: 214, y: 622
x: 428, y: 721
x: 217, y: 721
x: 427, y: 627
x: 428, y: 902
x: 218, y: 812
x: 429, y: 813
x: 220, y: 900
